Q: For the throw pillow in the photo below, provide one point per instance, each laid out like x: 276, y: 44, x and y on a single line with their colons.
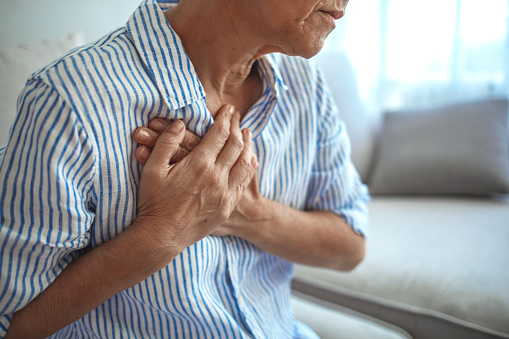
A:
x: 459, y: 149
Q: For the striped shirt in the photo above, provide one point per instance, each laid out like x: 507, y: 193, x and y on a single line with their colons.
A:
x: 69, y: 182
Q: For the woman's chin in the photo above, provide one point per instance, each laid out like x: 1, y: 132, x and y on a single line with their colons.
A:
x: 309, y: 49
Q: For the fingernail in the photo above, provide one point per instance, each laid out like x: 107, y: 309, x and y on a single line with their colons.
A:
x: 156, y: 125
x: 144, y: 153
x: 143, y: 135
x: 231, y: 109
x: 175, y: 127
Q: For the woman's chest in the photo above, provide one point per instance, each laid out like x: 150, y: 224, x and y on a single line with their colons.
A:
x: 285, y: 148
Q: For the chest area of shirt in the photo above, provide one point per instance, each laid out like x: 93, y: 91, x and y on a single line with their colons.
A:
x: 284, y: 144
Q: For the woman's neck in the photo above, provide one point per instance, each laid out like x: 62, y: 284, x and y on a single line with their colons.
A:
x: 222, y: 52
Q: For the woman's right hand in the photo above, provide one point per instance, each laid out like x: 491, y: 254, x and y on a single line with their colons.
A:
x: 181, y: 203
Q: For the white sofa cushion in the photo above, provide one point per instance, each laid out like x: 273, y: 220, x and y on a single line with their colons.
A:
x: 430, y: 258
x: 18, y: 63
x: 331, y: 321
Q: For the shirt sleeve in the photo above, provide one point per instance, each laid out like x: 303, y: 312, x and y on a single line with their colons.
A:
x: 46, y: 206
x: 335, y: 184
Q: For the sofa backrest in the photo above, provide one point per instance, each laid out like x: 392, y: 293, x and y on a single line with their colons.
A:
x: 17, y: 64
x: 37, y: 32
x: 29, y: 21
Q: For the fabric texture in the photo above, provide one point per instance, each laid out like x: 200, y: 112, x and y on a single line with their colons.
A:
x: 435, y: 266
x: 69, y: 182
x: 459, y: 149
x: 18, y: 63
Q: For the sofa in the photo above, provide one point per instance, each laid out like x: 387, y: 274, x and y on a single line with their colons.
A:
x: 437, y: 254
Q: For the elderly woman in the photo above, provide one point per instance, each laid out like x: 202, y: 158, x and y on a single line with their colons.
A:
x: 193, y: 244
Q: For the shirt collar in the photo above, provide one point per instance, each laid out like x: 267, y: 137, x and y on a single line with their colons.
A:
x: 163, y: 54
x: 269, y: 67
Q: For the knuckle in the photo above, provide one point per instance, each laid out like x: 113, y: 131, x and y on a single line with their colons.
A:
x: 237, y: 142
x: 242, y: 186
x: 200, y: 154
x: 192, y: 142
x: 205, y: 168
x: 216, y: 181
x: 166, y: 139
x: 190, y: 139
x: 245, y: 163
x: 179, y: 155
x: 151, y: 172
x: 249, y: 153
x: 223, y: 133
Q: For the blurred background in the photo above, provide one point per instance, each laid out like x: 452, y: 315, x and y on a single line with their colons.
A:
x: 30, y: 21
x: 403, y: 52
x: 416, y: 53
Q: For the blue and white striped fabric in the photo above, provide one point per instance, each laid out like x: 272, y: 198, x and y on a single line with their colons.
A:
x: 69, y: 181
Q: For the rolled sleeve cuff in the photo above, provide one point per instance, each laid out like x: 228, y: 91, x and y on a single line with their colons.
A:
x: 357, y: 218
x: 5, y: 322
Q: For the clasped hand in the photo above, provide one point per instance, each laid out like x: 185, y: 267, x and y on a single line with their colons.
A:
x: 191, y: 188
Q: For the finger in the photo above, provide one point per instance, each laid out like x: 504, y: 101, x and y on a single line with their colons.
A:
x: 251, y: 178
x: 158, y: 124
x: 242, y: 171
x: 234, y: 146
x: 190, y: 141
x: 215, y: 139
x: 249, y: 183
x: 179, y: 155
x: 148, y: 136
x: 142, y: 154
x: 252, y: 182
x: 166, y: 146
x: 145, y: 136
